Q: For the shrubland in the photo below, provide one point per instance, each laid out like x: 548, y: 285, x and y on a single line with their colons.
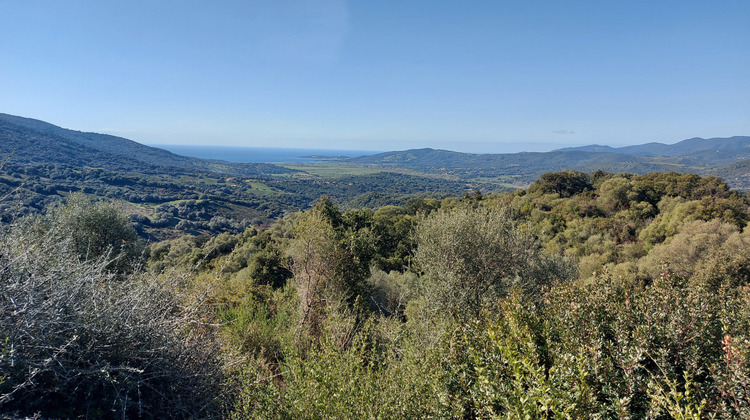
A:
x: 585, y: 296
x: 88, y: 334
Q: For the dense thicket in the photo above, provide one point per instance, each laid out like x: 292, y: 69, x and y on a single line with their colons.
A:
x: 489, y: 319
x: 85, y: 334
x: 587, y: 296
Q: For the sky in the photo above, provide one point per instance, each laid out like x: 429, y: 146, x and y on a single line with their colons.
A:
x: 475, y: 76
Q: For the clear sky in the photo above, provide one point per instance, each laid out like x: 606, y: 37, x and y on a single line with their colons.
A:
x: 477, y: 76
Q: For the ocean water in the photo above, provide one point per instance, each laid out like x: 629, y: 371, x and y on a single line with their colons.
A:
x: 262, y: 154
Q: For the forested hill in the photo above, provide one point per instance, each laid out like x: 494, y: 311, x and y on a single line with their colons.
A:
x: 737, y: 144
x: 34, y: 141
x: 716, y: 156
x: 526, y: 165
x: 169, y: 194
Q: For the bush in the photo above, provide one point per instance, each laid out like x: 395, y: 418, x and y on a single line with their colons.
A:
x: 644, y: 346
x: 82, y: 344
x: 97, y: 230
x: 382, y: 374
x: 473, y: 257
x: 499, y: 366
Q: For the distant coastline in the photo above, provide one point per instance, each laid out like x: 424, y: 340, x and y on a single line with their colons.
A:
x: 262, y: 154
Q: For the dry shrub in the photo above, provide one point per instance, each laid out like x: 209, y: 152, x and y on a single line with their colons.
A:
x: 83, y: 341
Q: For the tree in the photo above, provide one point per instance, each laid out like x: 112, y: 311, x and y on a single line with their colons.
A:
x: 330, y: 263
x: 564, y: 183
x: 97, y: 230
x: 470, y: 258
x: 268, y: 266
x: 614, y: 193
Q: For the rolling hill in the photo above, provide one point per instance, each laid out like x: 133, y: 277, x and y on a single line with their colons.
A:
x: 168, y: 194
x: 31, y: 140
x: 738, y: 144
x: 716, y: 156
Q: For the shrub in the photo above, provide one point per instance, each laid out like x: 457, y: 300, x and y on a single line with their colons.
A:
x: 499, y: 366
x: 382, y: 374
x: 84, y: 344
x: 473, y: 257
x: 96, y: 230
x: 643, y: 343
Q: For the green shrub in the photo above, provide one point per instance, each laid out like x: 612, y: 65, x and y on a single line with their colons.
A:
x: 470, y: 258
x: 371, y: 378
x: 500, y: 367
x: 641, y: 341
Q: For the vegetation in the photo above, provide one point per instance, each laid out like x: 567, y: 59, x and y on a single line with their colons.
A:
x: 169, y: 202
x: 588, y: 295
x: 727, y: 157
x: 471, y: 258
x: 168, y: 195
x: 84, y: 339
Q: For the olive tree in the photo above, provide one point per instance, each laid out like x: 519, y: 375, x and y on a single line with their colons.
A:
x: 95, y: 230
x: 470, y: 258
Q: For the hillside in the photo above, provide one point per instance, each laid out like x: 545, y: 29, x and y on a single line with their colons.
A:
x: 737, y: 144
x: 36, y: 141
x: 524, y: 166
x: 168, y: 194
x: 701, y: 156
x: 562, y: 300
x: 570, y: 296
x: 737, y: 174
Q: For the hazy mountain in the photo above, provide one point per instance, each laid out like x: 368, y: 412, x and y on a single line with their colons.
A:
x: 685, y: 147
x: 697, y: 155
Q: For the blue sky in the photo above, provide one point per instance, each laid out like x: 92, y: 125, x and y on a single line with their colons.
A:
x: 477, y: 76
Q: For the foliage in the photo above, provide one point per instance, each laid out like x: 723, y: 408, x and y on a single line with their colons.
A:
x: 462, y: 307
x: 470, y: 258
x: 565, y: 183
x: 380, y: 375
x: 392, y: 292
x: 330, y: 262
x: 97, y: 230
x: 83, y: 340
x: 501, y: 367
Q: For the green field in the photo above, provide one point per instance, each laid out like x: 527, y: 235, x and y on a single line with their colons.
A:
x: 260, y: 188
x: 332, y: 170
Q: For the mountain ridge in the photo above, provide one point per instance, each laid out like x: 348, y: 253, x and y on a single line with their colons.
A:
x: 687, y: 146
x: 714, y: 156
x: 34, y: 140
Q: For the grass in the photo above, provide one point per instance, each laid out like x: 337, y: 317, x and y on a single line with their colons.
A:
x: 331, y: 170
x: 138, y: 208
x: 260, y: 188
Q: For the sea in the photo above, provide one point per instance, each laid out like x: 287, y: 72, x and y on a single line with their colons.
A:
x: 263, y: 154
